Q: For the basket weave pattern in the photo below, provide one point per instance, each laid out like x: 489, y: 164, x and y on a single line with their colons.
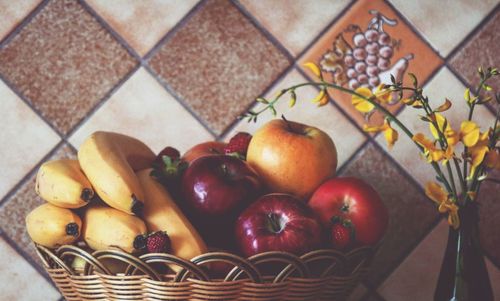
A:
x: 318, y: 275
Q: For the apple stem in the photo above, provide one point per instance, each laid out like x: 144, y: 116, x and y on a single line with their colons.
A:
x: 287, y: 123
x: 274, y: 223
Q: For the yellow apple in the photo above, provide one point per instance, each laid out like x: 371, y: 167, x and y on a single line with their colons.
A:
x: 292, y: 157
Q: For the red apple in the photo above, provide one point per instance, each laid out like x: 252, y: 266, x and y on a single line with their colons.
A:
x: 209, y: 148
x: 278, y: 222
x: 354, y: 202
x: 292, y: 157
x: 215, y: 190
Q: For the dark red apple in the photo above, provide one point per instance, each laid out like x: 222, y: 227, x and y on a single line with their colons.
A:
x: 215, y: 190
x: 354, y: 202
x: 278, y: 222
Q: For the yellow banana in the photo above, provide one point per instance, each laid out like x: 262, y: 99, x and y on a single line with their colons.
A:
x: 53, y: 226
x: 63, y: 183
x: 162, y: 214
x: 106, y: 227
x: 110, y: 160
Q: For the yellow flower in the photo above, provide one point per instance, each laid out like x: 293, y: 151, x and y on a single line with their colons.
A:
x: 361, y: 104
x: 432, y: 153
x: 437, y: 194
x: 390, y: 134
x: 493, y: 159
x: 478, y: 152
x: 321, y: 99
x: 314, y: 69
x: 383, y: 95
x: 469, y: 133
x: 451, y: 136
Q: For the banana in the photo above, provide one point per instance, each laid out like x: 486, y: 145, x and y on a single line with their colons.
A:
x: 53, y: 226
x: 106, y: 227
x: 63, y: 183
x: 110, y: 160
x: 162, y: 214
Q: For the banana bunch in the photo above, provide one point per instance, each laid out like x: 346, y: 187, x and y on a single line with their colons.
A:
x: 116, y: 201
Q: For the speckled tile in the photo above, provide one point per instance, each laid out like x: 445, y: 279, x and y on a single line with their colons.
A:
x: 410, y: 213
x: 295, y: 23
x: 142, y: 23
x: 142, y: 108
x: 14, y: 210
x: 494, y: 274
x: 447, y: 26
x: 443, y: 85
x: 64, y: 62
x: 480, y: 50
x: 409, y: 52
x: 24, y: 137
x: 13, y: 12
x: 20, y: 281
x: 218, y: 65
x: 328, y: 118
x: 489, y: 214
x: 426, y: 260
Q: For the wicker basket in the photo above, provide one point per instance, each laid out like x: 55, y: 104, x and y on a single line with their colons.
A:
x: 318, y: 275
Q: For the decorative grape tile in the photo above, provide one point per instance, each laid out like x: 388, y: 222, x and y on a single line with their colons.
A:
x: 14, y: 210
x: 218, y: 66
x: 447, y: 26
x: 346, y: 136
x: 411, y: 214
x: 64, y: 62
x: 142, y: 108
x: 295, y: 23
x: 13, y: 12
x: 364, y: 47
x: 142, y: 23
x: 25, y: 139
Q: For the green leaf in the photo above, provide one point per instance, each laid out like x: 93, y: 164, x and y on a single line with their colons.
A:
x: 414, y: 79
x: 167, y: 160
x: 262, y: 100
x: 273, y: 111
x: 293, y: 99
x: 487, y: 87
x: 393, y: 79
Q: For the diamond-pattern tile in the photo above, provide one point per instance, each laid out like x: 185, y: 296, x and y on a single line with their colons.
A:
x: 295, y: 23
x: 142, y: 23
x: 425, y: 260
x: 447, y: 26
x: 142, y: 108
x: 20, y: 281
x: 362, y: 58
x: 494, y: 274
x: 64, y: 62
x: 13, y: 12
x: 346, y: 136
x: 469, y: 58
x: 218, y: 65
x: 443, y: 85
x: 14, y: 210
x: 410, y: 213
x: 489, y: 214
x: 24, y: 137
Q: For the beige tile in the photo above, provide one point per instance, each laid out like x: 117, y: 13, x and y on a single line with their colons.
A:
x: 19, y: 280
x: 295, y: 23
x: 445, y: 23
x: 347, y: 138
x: 143, y: 109
x: 443, y: 85
x: 142, y: 23
x: 494, y: 274
x: 415, y: 279
x: 24, y: 137
x: 13, y: 12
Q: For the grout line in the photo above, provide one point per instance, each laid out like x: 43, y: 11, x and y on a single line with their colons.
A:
x: 326, y: 29
x: 468, y: 38
x: 174, y: 30
x: 178, y: 98
x: 263, y: 30
x: 23, y: 23
x: 30, y: 173
x: 28, y: 259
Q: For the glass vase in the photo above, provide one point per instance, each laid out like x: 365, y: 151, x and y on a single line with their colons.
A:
x: 463, y: 274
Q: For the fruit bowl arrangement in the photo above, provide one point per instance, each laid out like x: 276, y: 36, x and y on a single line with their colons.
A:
x: 262, y: 217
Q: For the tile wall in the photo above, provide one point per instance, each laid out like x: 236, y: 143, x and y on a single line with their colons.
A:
x: 181, y: 72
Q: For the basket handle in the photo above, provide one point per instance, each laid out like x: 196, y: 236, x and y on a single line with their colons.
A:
x: 67, y: 250
x: 127, y: 258
x: 247, y: 267
x: 169, y: 259
x: 294, y: 264
x: 43, y: 251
